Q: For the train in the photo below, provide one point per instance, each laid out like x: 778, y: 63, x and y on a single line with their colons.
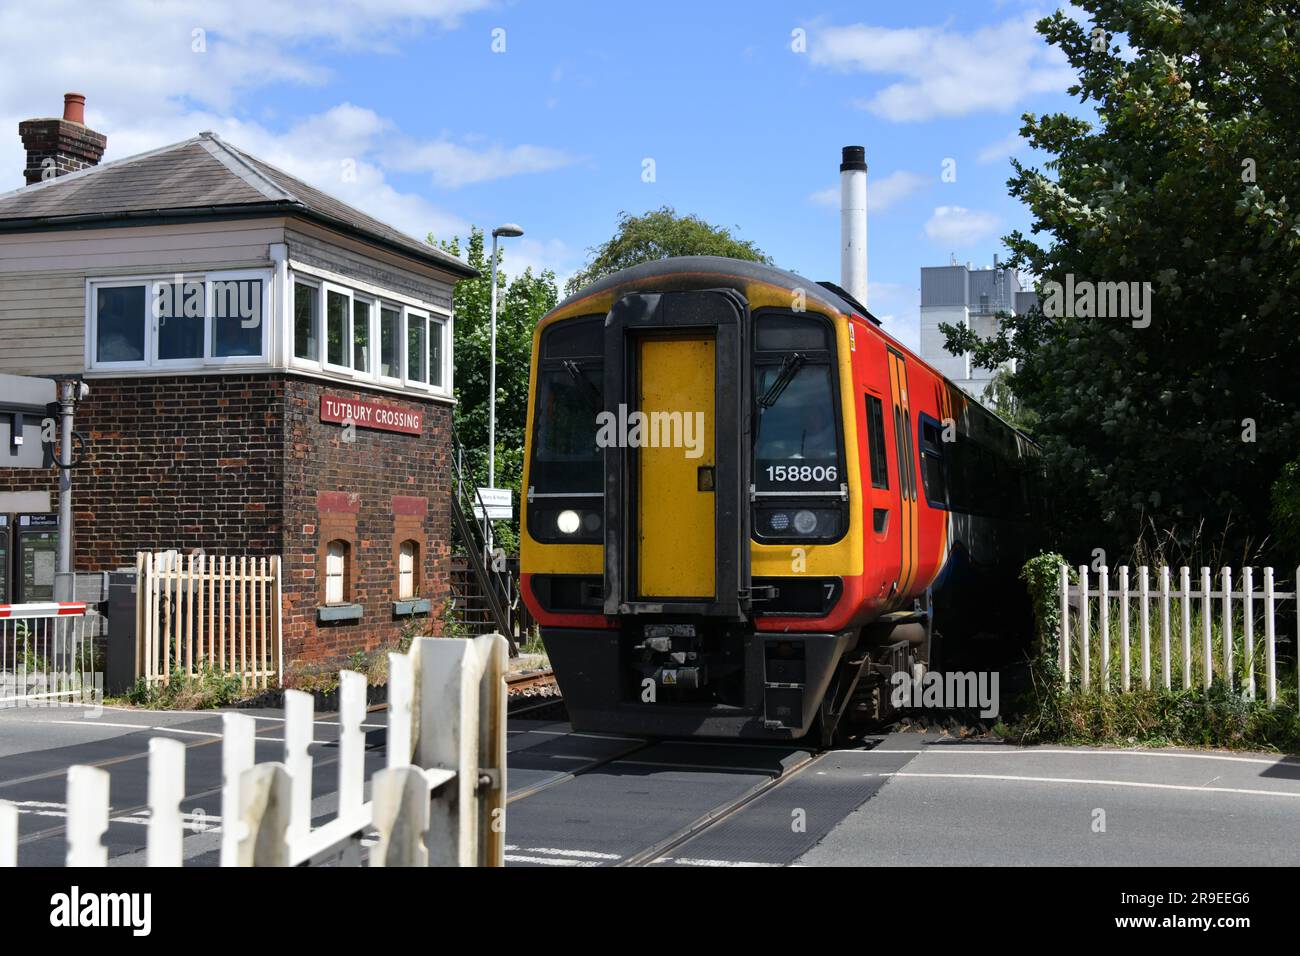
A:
x: 745, y: 507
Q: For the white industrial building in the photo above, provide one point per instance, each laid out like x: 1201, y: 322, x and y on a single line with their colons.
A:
x: 957, y: 294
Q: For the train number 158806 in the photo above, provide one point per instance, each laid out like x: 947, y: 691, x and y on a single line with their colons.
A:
x: 802, y: 473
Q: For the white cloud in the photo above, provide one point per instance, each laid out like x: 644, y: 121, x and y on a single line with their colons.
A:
x: 146, y: 87
x: 140, y: 57
x: 881, y: 193
x: 1002, y: 149
x: 959, y: 226
x: 452, y: 164
x: 944, y: 72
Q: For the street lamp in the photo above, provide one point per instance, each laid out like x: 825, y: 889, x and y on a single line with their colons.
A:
x: 509, y: 230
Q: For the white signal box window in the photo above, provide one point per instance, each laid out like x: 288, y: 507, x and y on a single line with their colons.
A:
x: 407, y: 562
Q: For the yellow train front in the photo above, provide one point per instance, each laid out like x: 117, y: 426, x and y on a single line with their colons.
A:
x: 728, y: 510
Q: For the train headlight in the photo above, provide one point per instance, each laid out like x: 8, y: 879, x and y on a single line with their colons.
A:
x: 805, y: 522
x: 568, y: 522
x: 779, y: 521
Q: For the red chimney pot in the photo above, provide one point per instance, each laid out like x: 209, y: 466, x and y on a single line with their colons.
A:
x: 74, y: 108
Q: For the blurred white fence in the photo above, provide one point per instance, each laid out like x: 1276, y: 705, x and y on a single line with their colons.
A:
x: 1234, y: 637
x: 440, y: 801
x: 45, y: 652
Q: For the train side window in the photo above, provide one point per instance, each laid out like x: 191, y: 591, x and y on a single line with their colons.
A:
x: 876, y: 442
x: 932, y: 462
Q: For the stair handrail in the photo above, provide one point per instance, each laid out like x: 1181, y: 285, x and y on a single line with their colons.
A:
x: 496, y: 585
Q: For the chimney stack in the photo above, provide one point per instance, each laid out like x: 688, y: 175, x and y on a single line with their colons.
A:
x: 58, y: 146
x: 853, y: 222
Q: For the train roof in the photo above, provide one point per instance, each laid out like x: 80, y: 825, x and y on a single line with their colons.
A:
x: 744, y: 270
x: 741, y: 269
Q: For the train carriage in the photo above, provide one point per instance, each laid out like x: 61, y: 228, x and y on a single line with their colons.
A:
x: 745, y: 505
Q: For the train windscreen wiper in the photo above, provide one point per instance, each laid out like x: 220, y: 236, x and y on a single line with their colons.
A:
x: 790, y: 366
x: 585, y: 386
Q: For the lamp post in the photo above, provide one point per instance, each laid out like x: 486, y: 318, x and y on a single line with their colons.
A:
x: 510, y: 230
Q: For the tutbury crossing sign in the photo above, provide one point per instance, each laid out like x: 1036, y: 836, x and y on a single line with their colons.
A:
x: 385, y: 416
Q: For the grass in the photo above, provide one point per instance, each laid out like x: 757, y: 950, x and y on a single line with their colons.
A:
x: 204, y: 689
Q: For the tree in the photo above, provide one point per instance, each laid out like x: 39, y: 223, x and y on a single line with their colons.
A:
x: 521, y: 302
x: 659, y: 234
x: 1182, y: 183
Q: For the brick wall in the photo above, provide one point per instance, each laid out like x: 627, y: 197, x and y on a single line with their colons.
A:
x: 184, y: 462
x: 242, y: 464
x: 375, y: 492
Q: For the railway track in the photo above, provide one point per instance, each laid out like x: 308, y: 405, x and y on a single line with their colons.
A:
x: 529, y: 682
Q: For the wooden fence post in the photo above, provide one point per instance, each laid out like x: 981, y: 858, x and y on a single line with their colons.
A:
x: 265, y: 811
x: 1065, y: 625
x: 1085, y: 631
x: 1103, y: 585
x: 166, y: 790
x: 401, y: 815
x: 1207, y: 652
x: 299, y: 725
x: 1227, y: 627
x: 1123, y: 628
x: 495, y: 651
x: 238, y: 741
x: 1270, y: 639
x: 1144, y: 616
x: 401, y: 702
x: 87, y: 806
x: 1185, y: 582
x: 8, y: 835
x: 1166, y: 673
x: 352, y: 743
x: 1248, y: 630
x: 447, y: 739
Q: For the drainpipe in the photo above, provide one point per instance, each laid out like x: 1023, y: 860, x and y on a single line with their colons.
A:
x: 70, y: 392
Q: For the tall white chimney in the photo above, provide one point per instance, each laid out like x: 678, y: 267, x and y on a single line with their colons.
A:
x: 853, y: 222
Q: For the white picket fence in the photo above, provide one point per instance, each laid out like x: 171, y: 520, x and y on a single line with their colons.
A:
x: 440, y: 801
x: 1235, y: 661
x: 45, y: 652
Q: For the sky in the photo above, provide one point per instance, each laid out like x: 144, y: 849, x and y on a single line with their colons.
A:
x: 437, y: 114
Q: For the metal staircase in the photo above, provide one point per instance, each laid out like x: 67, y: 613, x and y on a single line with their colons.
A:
x: 496, y: 586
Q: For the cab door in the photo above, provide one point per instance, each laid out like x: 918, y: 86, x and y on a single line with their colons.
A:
x: 676, y: 506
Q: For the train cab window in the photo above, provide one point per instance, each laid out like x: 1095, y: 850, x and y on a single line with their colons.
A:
x: 876, y: 442
x: 933, y: 477
x: 780, y: 333
x: 567, y: 467
x: 798, y: 457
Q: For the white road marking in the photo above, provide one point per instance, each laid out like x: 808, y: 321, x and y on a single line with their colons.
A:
x: 169, y: 730
x: 552, y: 851
x: 689, y: 861
x: 1088, y: 782
x: 549, y: 860
x: 1017, y: 751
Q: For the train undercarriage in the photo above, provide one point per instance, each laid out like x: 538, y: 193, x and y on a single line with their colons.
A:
x: 706, y: 678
